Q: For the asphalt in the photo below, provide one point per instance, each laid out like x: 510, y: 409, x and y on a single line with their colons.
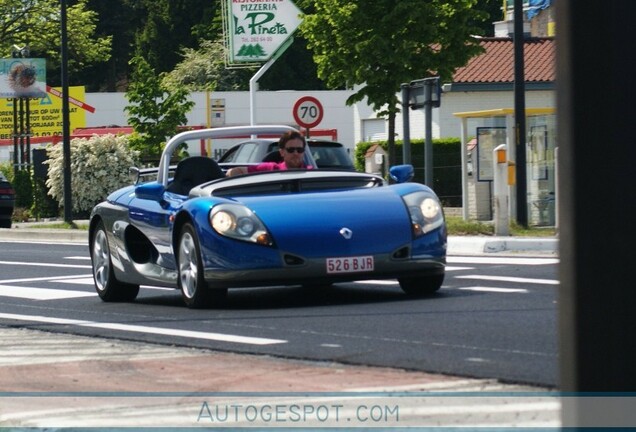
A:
x: 55, y: 381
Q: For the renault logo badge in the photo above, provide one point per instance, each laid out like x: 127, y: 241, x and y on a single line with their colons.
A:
x: 346, y: 233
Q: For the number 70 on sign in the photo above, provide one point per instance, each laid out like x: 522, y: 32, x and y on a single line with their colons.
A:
x: 308, y: 112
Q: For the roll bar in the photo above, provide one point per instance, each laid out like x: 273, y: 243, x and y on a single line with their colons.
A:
x: 221, y: 132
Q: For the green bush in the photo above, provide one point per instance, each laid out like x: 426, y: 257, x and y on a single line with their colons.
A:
x: 6, y: 168
x: 23, y: 188
x: 447, y: 168
x: 99, y: 165
x: 44, y: 206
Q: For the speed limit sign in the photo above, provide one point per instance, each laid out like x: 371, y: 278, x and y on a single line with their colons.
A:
x: 308, y: 112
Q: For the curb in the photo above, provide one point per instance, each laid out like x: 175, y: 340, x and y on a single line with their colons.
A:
x: 473, y: 245
x: 45, y: 235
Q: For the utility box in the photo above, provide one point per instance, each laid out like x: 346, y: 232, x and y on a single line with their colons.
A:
x: 375, y: 160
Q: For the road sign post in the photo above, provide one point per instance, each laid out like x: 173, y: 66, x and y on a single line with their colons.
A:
x: 308, y: 112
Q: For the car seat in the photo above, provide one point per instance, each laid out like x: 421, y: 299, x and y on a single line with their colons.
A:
x: 193, y: 171
x: 273, y: 156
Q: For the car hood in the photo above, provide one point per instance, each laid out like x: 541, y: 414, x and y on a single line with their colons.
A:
x: 310, y: 224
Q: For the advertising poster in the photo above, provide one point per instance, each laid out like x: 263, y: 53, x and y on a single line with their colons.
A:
x: 487, y: 139
x: 45, y: 113
x: 22, y: 77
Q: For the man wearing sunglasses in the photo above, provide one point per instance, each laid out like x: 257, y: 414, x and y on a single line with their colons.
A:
x: 292, y: 149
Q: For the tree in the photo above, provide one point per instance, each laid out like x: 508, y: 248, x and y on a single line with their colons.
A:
x: 36, y: 24
x: 167, y: 26
x: 204, y: 69
x: 380, y: 44
x: 117, y: 19
x: 155, y: 112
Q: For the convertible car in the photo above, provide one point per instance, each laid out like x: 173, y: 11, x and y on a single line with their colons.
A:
x: 203, y: 233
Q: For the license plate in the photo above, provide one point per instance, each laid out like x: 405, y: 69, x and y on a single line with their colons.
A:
x: 350, y: 264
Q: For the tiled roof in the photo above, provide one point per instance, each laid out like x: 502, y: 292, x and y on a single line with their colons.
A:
x: 496, y: 63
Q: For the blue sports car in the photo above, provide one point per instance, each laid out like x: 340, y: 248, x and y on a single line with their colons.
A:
x: 202, y: 233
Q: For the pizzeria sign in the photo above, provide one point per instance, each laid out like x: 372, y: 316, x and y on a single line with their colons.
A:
x: 258, y: 28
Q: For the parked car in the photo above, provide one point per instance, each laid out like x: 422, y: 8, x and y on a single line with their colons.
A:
x: 7, y: 202
x: 204, y: 233
x: 322, y: 154
x: 330, y: 155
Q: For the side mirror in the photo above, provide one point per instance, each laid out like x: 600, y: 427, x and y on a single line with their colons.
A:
x: 150, y: 191
x: 401, y: 173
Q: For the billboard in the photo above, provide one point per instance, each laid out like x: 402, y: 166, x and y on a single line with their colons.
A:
x: 259, y: 27
x: 45, y: 113
x: 22, y: 77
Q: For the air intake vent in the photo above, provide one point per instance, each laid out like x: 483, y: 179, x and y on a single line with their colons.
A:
x: 293, y: 260
x: 401, y: 253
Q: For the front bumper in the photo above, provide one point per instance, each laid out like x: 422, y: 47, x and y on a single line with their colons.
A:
x: 315, y: 271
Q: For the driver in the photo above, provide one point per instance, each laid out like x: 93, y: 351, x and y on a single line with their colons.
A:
x: 291, y: 147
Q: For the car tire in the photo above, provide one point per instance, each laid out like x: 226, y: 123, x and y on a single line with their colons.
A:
x: 194, y: 289
x: 419, y: 286
x: 107, y: 286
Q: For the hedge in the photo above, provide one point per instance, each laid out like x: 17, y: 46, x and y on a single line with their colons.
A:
x: 447, y: 171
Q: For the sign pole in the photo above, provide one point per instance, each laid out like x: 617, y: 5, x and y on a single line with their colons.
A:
x: 66, y: 149
x: 406, y: 126
x: 259, y: 74
x: 428, y: 147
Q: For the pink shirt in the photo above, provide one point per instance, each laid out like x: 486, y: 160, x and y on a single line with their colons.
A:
x: 270, y: 166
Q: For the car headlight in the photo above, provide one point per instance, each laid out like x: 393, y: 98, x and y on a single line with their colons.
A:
x: 425, y: 210
x: 239, y: 222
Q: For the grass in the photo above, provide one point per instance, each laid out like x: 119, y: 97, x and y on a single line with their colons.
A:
x: 458, y: 226
x: 59, y: 225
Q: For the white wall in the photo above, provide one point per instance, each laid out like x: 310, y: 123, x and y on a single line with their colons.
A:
x: 270, y: 108
x: 446, y: 125
x: 276, y: 108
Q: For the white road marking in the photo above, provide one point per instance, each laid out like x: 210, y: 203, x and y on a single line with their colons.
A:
x: 82, y: 257
x: 510, y: 279
x: 84, y: 280
x: 46, y: 278
x: 32, y: 293
x: 456, y: 268
x: 34, y: 264
x: 500, y: 260
x: 146, y: 329
x: 377, y: 282
x: 48, y: 243
x: 491, y: 289
x: 88, y: 280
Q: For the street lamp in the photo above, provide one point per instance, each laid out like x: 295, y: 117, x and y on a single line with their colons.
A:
x: 66, y: 145
x: 426, y: 93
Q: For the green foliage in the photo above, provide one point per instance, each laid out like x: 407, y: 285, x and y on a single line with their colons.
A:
x: 99, y: 165
x: 6, y: 168
x: 376, y: 45
x: 167, y: 26
x: 44, y: 205
x: 155, y: 111
x: 36, y: 23
x: 446, y: 165
x: 204, y: 69
x: 380, y: 44
x: 23, y: 188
